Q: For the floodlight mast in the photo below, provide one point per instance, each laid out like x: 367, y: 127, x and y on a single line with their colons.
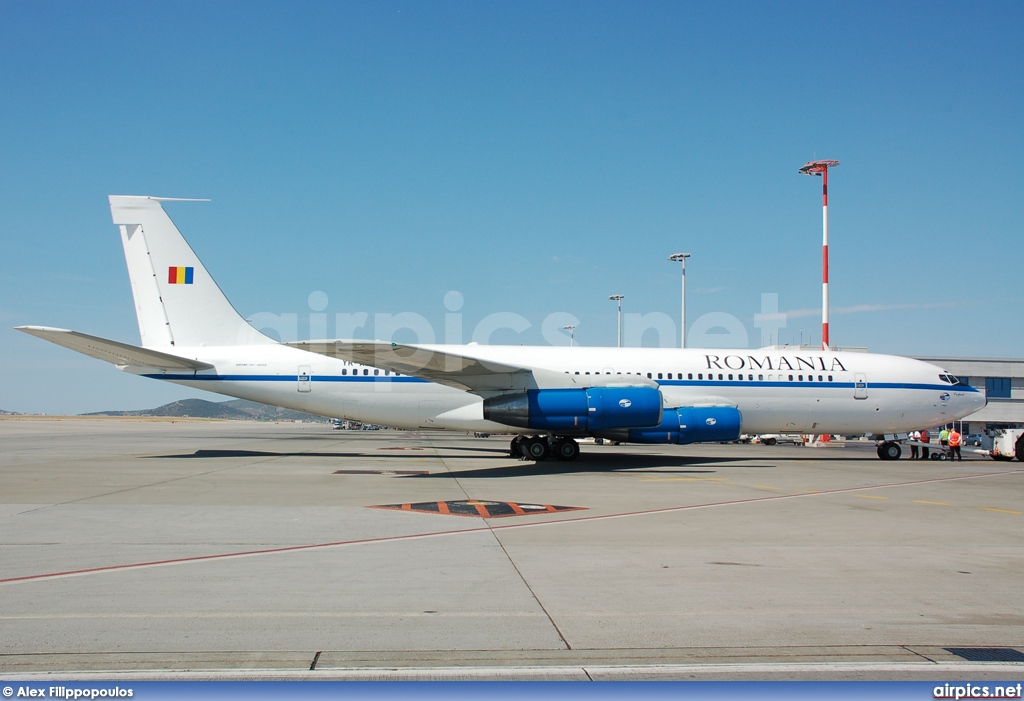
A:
x: 681, y: 258
x: 820, y: 168
x: 618, y: 299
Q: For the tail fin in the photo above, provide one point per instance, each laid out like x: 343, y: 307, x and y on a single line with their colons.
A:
x: 176, y: 301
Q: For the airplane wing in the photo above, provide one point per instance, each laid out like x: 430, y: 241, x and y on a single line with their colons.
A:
x: 113, y: 351
x: 463, y: 372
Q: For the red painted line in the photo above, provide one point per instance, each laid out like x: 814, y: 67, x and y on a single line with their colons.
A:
x: 480, y: 529
x: 224, y: 556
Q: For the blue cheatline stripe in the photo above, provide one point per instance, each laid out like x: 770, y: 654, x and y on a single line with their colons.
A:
x: 672, y: 383
x: 287, y: 378
x: 815, y: 383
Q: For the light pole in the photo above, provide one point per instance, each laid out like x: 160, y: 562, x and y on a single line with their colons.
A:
x: 571, y: 328
x: 618, y: 298
x: 820, y: 168
x: 681, y: 257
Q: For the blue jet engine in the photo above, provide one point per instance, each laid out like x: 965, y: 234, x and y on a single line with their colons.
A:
x: 686, y: 424
x: 577, y: 411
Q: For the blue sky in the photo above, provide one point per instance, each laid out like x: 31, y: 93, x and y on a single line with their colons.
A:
x: 535, y: 157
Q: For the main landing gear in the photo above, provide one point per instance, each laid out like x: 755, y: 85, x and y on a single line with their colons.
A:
x: 539, y: 448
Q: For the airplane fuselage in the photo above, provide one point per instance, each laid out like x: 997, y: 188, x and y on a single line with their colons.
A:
x: 777, y: 390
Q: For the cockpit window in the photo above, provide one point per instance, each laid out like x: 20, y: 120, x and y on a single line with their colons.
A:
x: 952, y: 379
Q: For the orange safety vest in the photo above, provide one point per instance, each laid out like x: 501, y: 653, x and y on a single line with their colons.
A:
x: 954, y: 439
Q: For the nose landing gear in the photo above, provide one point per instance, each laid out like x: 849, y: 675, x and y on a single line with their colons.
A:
x: 890, y: 450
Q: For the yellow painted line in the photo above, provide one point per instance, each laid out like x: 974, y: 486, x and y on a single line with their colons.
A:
x: 936, y: 503
x: 809, y: 491
x: 764, y: 486
x: 1001, y: 511
x: 869, y: 496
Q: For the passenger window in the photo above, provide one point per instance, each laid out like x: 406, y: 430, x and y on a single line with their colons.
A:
x: 719, y: 376
x: 730, y: 375
x: 376, y: 372
x: 648, y: 376
x: 790, y: 378
x: 670, y: 376
x: 819, y: 378
x: 760, y: 378
x: 344, y: 372
x: 588, y: 372
x: 689, y: 376
x: 659, y: 375
x: 577, y: 372
x: 801, y: 378
x: 829, y: 378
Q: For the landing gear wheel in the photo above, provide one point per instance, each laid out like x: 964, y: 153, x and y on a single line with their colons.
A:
x: 567, y: 450
x: 515, y: 447
x: 935, y: 456
x: 535, y: 448
x: 941, y: 456
x: 889, y: 451
x: 773, y: 441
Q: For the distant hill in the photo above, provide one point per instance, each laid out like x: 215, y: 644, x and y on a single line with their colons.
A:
x: 9, y: 413
x: 238, y: 409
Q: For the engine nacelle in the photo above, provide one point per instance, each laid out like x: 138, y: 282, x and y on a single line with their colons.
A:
x: 577, y: 411
x: 686, y: 425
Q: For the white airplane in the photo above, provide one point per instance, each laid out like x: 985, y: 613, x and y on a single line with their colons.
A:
x: 546, y: 396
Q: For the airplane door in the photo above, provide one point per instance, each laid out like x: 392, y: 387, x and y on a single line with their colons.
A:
x: 305, y: 378
x: 860, y: 386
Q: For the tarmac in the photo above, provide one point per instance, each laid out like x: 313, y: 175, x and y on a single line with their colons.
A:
x: 171, y: 549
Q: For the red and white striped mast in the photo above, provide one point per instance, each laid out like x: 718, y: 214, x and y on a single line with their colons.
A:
x: 820, y: 168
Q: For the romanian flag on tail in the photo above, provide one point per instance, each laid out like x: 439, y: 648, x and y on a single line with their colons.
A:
x: 179, y: 275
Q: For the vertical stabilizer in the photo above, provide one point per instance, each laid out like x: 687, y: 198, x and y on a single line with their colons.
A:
x: 176, y: 301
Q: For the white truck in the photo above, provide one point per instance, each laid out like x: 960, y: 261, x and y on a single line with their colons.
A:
x: 1007, y: 444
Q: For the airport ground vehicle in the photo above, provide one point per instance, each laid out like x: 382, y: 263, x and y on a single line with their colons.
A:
x: 776, y: 438
x: 1007, y: 444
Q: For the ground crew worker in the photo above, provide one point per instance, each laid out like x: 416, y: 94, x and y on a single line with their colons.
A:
x: 925, y: 438
x: 915, y: 451
x: 954, y: 445
x: 944, y: 437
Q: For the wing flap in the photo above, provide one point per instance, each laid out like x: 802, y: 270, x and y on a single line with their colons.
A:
x: 113, y: 351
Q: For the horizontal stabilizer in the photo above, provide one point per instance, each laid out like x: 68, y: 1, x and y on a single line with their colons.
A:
x: 444, y: 367
x: 113, y: 351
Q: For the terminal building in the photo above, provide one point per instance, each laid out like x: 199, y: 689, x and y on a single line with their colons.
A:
x: 1003, y: 382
